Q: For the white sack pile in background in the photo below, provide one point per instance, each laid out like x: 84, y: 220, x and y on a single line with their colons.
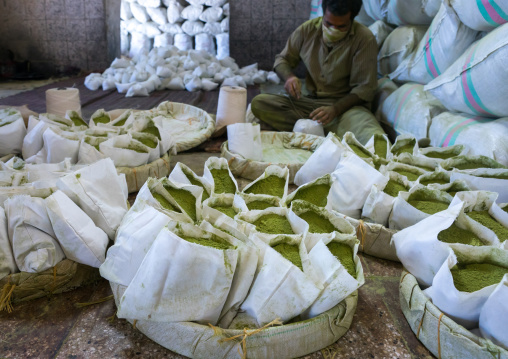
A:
x: 173, y: 69
x: 186, y: 24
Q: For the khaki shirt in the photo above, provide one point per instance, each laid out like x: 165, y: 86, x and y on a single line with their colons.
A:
x: 349, y: 67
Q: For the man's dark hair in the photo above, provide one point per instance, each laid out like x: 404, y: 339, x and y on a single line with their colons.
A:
x: 342, y: 7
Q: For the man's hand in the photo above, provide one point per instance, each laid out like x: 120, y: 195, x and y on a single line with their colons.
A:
x: 293, y: 86
x: 323, y: 115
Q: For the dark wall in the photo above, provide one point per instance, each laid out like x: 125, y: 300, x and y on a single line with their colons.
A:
x: 60, y: 36
x: 259, y: 28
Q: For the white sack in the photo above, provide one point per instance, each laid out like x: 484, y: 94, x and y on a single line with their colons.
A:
x: 176, y: 83
x: 33, y: 241
x: 445, y: 41
x: 376, y: 9
x: 139, y: 44
x: 211, y: 14
x: 204, y: 42
x: 381, y: 31
x: 399, y: 44
x: 116, y: 149
x: 171, y: 29
x: 58, y: 145
x: 99, y: 191
x: 309, y: 126
x: 410, y: 110
x: 158, y: 15
x: 93, y: 81
x: 192, y: 13
x: 385, y: 87
x: 407, y: 12
x: 462, y: 307
x: 180, y: 281
x: 322, y: 161
x: 12, y: 131
x: 139, y: 13
x: 483, y: 136
x: 7, y: 262
x: 245, y: 140
x: 149, y: 3
x: 224, y: 24
x: 485, y: 180
x: 138, y: 230
x: 222, y: 45
x: 481, y: 15
x: 163, y: 40
x: 125, y: 10
x: 494, y: 315
x: 476, y: 83
x: 174, y: 11
x: 137, y: 90
x: 352, y: 181
x: 80, y: 239
x: 212, y: 28
x: 183, y: 41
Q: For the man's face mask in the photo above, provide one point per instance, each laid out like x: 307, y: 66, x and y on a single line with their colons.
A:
x: 331, y: 35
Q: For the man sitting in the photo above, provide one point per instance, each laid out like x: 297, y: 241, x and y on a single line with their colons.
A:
x: 341, y: 60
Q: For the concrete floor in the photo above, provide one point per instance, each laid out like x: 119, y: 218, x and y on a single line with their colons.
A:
x: 53, y: 327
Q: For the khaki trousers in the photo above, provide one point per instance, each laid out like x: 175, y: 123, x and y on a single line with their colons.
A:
x: 281, y: 112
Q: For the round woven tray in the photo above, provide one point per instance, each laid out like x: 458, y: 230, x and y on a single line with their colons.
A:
x: 286, y: 341
x: 284, y: 149
x: 137, y: 176
x: 440, y: 334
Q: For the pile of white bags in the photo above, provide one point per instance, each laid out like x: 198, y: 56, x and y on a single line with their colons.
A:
x: 148, y: 24
x: 410, y: 110
x: 173, y: 69
x: 144, y: 139
x: 445, y: 41
x: 73, y: 217
x: 476, y: 82
x: 212, y: 283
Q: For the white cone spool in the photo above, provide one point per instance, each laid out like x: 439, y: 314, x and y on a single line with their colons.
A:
x: 59, y: 101
x: 232, y: 106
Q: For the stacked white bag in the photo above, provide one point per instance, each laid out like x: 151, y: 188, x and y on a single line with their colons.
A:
x: 148, y: 24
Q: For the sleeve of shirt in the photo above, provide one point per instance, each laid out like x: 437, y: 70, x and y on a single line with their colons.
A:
x: 289, y: 58
x: 363, y: 79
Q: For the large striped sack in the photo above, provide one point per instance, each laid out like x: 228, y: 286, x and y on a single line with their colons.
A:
x: 407, y: 12
x: 484, y: 136
x: 409, y: 110
x: 431, y: 7
x: 316, y: 10
x: 376, y: 9
x: 477, y: 83
x: 446, y: 39
x: 482, y: 15
x: 398, y: 46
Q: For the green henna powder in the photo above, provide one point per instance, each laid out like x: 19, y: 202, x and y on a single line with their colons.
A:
x: 404, y: 149
x: 165, y: 203
x: 505, y: 208
x: 271, y: 185
x: 62, y: 122
x: 136, y: 148
x: 258, y: 205
x: 316, y: 194
x: 185, y: 199
x: 317, y: 223
x: 473, y: 277
x: 291, y: 253
x: 429, y: 207
x: 147, y: 142
x: 503, y: 176
x: 472, y: 164
x: 344, y: 254
x: 434, y: 180
x: 78, y: 121
x: 228, y: 211
x: 452, y: 193
x: 152, y: 129
x: 101, y: 119
x: 273, y: 224
x: 223, y: 183
x: 484, y: 218
x: 213, y: 242
x: 380, y: 146
x: 359, y: 151
x: 120, y: 123
x: 410, y: 175
x: 393, y: 188
x: 195, y: 182
x: 425, y: 168
x: 441, y: 155
x: 455, y: 234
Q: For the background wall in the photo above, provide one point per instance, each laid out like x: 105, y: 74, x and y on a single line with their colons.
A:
x: 60, y: 36
x: 64, y: 36
x: 259, y: 29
